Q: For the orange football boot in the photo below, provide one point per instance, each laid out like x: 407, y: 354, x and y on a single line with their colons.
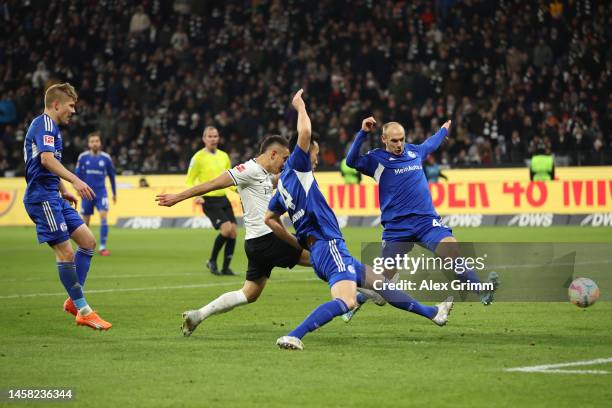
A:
x: 104, y: 252
x: 69, y: 307
x: 93, y: 320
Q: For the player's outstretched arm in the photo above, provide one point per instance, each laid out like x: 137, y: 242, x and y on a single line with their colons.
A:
x: 352, y: 158
x: 168, y: 200
x: 304, y: 127
x: 48, y: 160
x: 432, y: 143
x: 273, y: 221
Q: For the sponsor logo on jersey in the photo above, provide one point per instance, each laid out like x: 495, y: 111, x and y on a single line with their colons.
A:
x: 407, y: 169
x: 299, y: 214
x: 49, y: 140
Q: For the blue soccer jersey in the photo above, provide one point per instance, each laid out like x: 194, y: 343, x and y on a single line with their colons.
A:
x: 93, y: 170
x: 43, y: 136
x: 55, y: 219
x: 403, y: 188
x: 407, y: 211
x: 298, y: 194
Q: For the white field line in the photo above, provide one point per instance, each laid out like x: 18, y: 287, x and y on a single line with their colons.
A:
x: 154, y: 288
x: 143, y: 275
x: 555, y: 368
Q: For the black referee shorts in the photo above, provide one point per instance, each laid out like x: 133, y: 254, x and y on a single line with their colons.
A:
x: 267, y: 252
x: 218, y: 210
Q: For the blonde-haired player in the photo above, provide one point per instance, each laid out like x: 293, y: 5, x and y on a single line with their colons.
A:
x: 48, y: 201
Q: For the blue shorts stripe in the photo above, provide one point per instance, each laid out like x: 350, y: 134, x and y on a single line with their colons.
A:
x: 331, y: 251
x: 49, y: 216
x: 337, y: 257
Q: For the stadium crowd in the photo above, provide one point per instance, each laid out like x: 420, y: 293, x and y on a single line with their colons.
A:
x: 514, y: 76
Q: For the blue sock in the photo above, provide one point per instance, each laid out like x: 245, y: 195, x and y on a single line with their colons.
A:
x: 469, y: 275
x: 103, y: 233
x: 82, y: 260
x: 319, y: 317
x: 401, y: 300
x: 70, y: 280
x: 361, y: 298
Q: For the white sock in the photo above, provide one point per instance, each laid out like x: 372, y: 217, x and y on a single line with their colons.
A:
x: 222, y: 304
x: 84, y: 311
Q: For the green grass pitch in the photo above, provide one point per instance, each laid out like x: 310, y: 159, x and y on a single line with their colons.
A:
x: 383, y: 358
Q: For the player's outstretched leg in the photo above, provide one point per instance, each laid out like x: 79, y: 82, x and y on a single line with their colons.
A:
x: 222, y: 304
x: 344, y: 294
x: 401, y: 300
x: 448, y: 247
x: 249, y: 293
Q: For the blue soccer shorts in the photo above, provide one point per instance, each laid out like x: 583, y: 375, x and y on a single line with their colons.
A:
x: 55, y: 220
x: 427, y: 230
x: 100, y: 203
x: 332, y: 262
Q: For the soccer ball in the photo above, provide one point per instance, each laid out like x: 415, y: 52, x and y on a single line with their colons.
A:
x: 583, y: 292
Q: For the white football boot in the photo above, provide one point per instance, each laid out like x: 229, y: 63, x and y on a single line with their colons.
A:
x: 290, y: 343
x: 190, y: 322
x: 444, y: 310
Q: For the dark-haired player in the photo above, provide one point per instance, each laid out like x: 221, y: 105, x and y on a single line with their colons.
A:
x: 255, y: 180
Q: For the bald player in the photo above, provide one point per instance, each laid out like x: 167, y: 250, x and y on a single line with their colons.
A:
x: 407, y: 211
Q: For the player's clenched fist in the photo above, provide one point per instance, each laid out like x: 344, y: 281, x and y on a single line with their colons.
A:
x: 298, y: 102
x: 368, y: 124
x: 167, y: 200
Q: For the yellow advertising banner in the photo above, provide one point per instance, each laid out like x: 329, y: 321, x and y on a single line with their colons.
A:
x: 578, y: 190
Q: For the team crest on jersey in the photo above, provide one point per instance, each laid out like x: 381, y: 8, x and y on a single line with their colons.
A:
x: 63, y: 226
x: 49, y: 140
x: 240, y: 168
x: 351, y: 269
x: 101, y: 163
x: 412, y: 155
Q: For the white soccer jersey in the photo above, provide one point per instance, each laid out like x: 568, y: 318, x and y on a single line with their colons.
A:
x: 255, y: 188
